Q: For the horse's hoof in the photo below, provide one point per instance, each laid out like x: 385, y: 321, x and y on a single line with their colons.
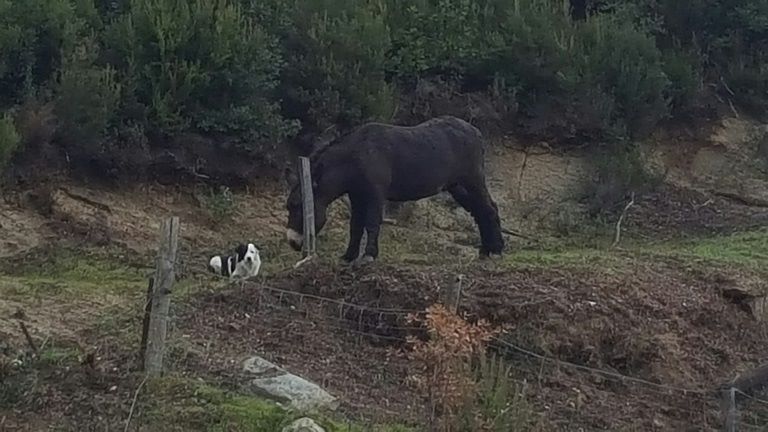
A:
x: 346, y: 259
x: 364, y: 260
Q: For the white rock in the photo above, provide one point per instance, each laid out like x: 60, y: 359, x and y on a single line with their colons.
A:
x: 303, y: 425
x: 274, y: 382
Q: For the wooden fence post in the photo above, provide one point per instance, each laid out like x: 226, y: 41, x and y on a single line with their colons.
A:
x: 745, y: 383
x: 145, y: 322
x: 729, y: 408
x: 452, y: 295
x: 308, y: 202
x: 161, y: 296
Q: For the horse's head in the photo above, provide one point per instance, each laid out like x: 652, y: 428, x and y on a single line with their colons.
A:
x: 294, y: 232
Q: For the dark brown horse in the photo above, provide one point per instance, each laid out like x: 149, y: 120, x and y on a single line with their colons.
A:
x: 380, y: 162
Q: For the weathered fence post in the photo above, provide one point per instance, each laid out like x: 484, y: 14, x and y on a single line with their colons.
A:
x: 745, y: 383
x: 161, y: 296
x: 452, y: 295
x: 729, y: 408
x: 145, y: 322
x: 308, y: 202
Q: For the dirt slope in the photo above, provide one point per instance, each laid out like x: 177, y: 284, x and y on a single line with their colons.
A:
x: 657, y: 310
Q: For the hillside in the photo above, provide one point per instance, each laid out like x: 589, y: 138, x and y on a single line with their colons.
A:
x: 636, y: 337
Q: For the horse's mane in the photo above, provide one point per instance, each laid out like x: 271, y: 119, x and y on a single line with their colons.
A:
x: 320, y: 150
x: 323, y: 148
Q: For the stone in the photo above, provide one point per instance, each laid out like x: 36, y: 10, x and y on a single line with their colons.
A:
x: 303, y: 425
x: 275, y: 383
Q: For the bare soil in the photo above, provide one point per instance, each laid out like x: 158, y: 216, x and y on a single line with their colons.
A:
x: 653, y: 322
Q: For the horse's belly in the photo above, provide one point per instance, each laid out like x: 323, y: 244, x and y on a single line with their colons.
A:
x: 414, y: 188
x: 421, y: 171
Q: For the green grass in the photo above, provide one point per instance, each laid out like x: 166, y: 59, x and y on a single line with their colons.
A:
x: 180, y: 404
x: 84, y: 273
x: 20, y: 383
x: 746, y: 250
x: 67, y: 272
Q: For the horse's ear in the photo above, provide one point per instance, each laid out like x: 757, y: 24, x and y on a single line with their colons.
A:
x: 290, y: 177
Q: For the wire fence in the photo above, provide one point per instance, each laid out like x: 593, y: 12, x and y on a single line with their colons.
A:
x: 574, y: 393
x: 567, y: 392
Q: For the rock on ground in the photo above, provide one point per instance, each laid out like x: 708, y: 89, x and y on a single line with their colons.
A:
x: 303, y: 425
x: 276, y: 383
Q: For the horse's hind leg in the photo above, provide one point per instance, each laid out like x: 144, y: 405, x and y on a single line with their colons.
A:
x: 356, y: 226
x: 374, y: 215
x: 474, y: 198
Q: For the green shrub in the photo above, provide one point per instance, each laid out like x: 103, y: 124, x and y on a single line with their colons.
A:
x: 623, y: 61
x: 620, y: 172
x: 338, y: 52
x: 220, y: 204
x: 88, y: 98
x: 436, y: 36
x: 251, y: 72
x: 9, y: 140
x: 500, y: 404
x: 685, y: 78
x: 526, y: 48
x: 202, y: 65
x: 728, y: 38
x: 600, y: 78
x: 34, y: 37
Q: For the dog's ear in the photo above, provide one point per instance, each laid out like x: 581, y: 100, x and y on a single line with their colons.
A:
x: 240, y: 251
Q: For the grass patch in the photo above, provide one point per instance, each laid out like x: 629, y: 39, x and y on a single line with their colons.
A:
x: 747, y: 250
x: 180, y: 404
x: 66, y: 272
x: 23, y: 375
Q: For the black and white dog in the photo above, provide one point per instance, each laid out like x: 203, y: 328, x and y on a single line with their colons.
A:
x: 244, y: 264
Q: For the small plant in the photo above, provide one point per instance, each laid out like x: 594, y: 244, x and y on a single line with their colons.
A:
x: 620, y: 171
x: 444, y: 373
x: 499, y: 404
x: 220, y: 204
x: 9, y: 140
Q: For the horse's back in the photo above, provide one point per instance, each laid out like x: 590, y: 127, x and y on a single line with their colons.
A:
x: 437, y: 135
x: 420, y: 160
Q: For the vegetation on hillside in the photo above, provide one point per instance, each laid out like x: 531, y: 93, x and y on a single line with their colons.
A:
x: 111, y: 81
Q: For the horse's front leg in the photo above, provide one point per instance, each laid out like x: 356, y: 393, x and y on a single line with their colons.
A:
x: 356, y: 226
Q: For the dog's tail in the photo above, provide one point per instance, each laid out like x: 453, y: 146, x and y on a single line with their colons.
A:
x: 215, y: 264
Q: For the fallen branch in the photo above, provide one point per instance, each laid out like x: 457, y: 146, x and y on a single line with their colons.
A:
x: 133, y: 404
x: 700, y: 206
x: 508, y: 231
x: 617, y: 238
x: 30, y: 342
x: 303, y: 261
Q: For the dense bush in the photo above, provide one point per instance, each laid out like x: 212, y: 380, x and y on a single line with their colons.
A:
x: 338, y: 51
x: 9, y: 139
x: 198, y: 64
x: 34, y: 37
x: 139, y: 73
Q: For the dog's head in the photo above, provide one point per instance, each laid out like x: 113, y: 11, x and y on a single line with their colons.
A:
x: 247, y: 252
